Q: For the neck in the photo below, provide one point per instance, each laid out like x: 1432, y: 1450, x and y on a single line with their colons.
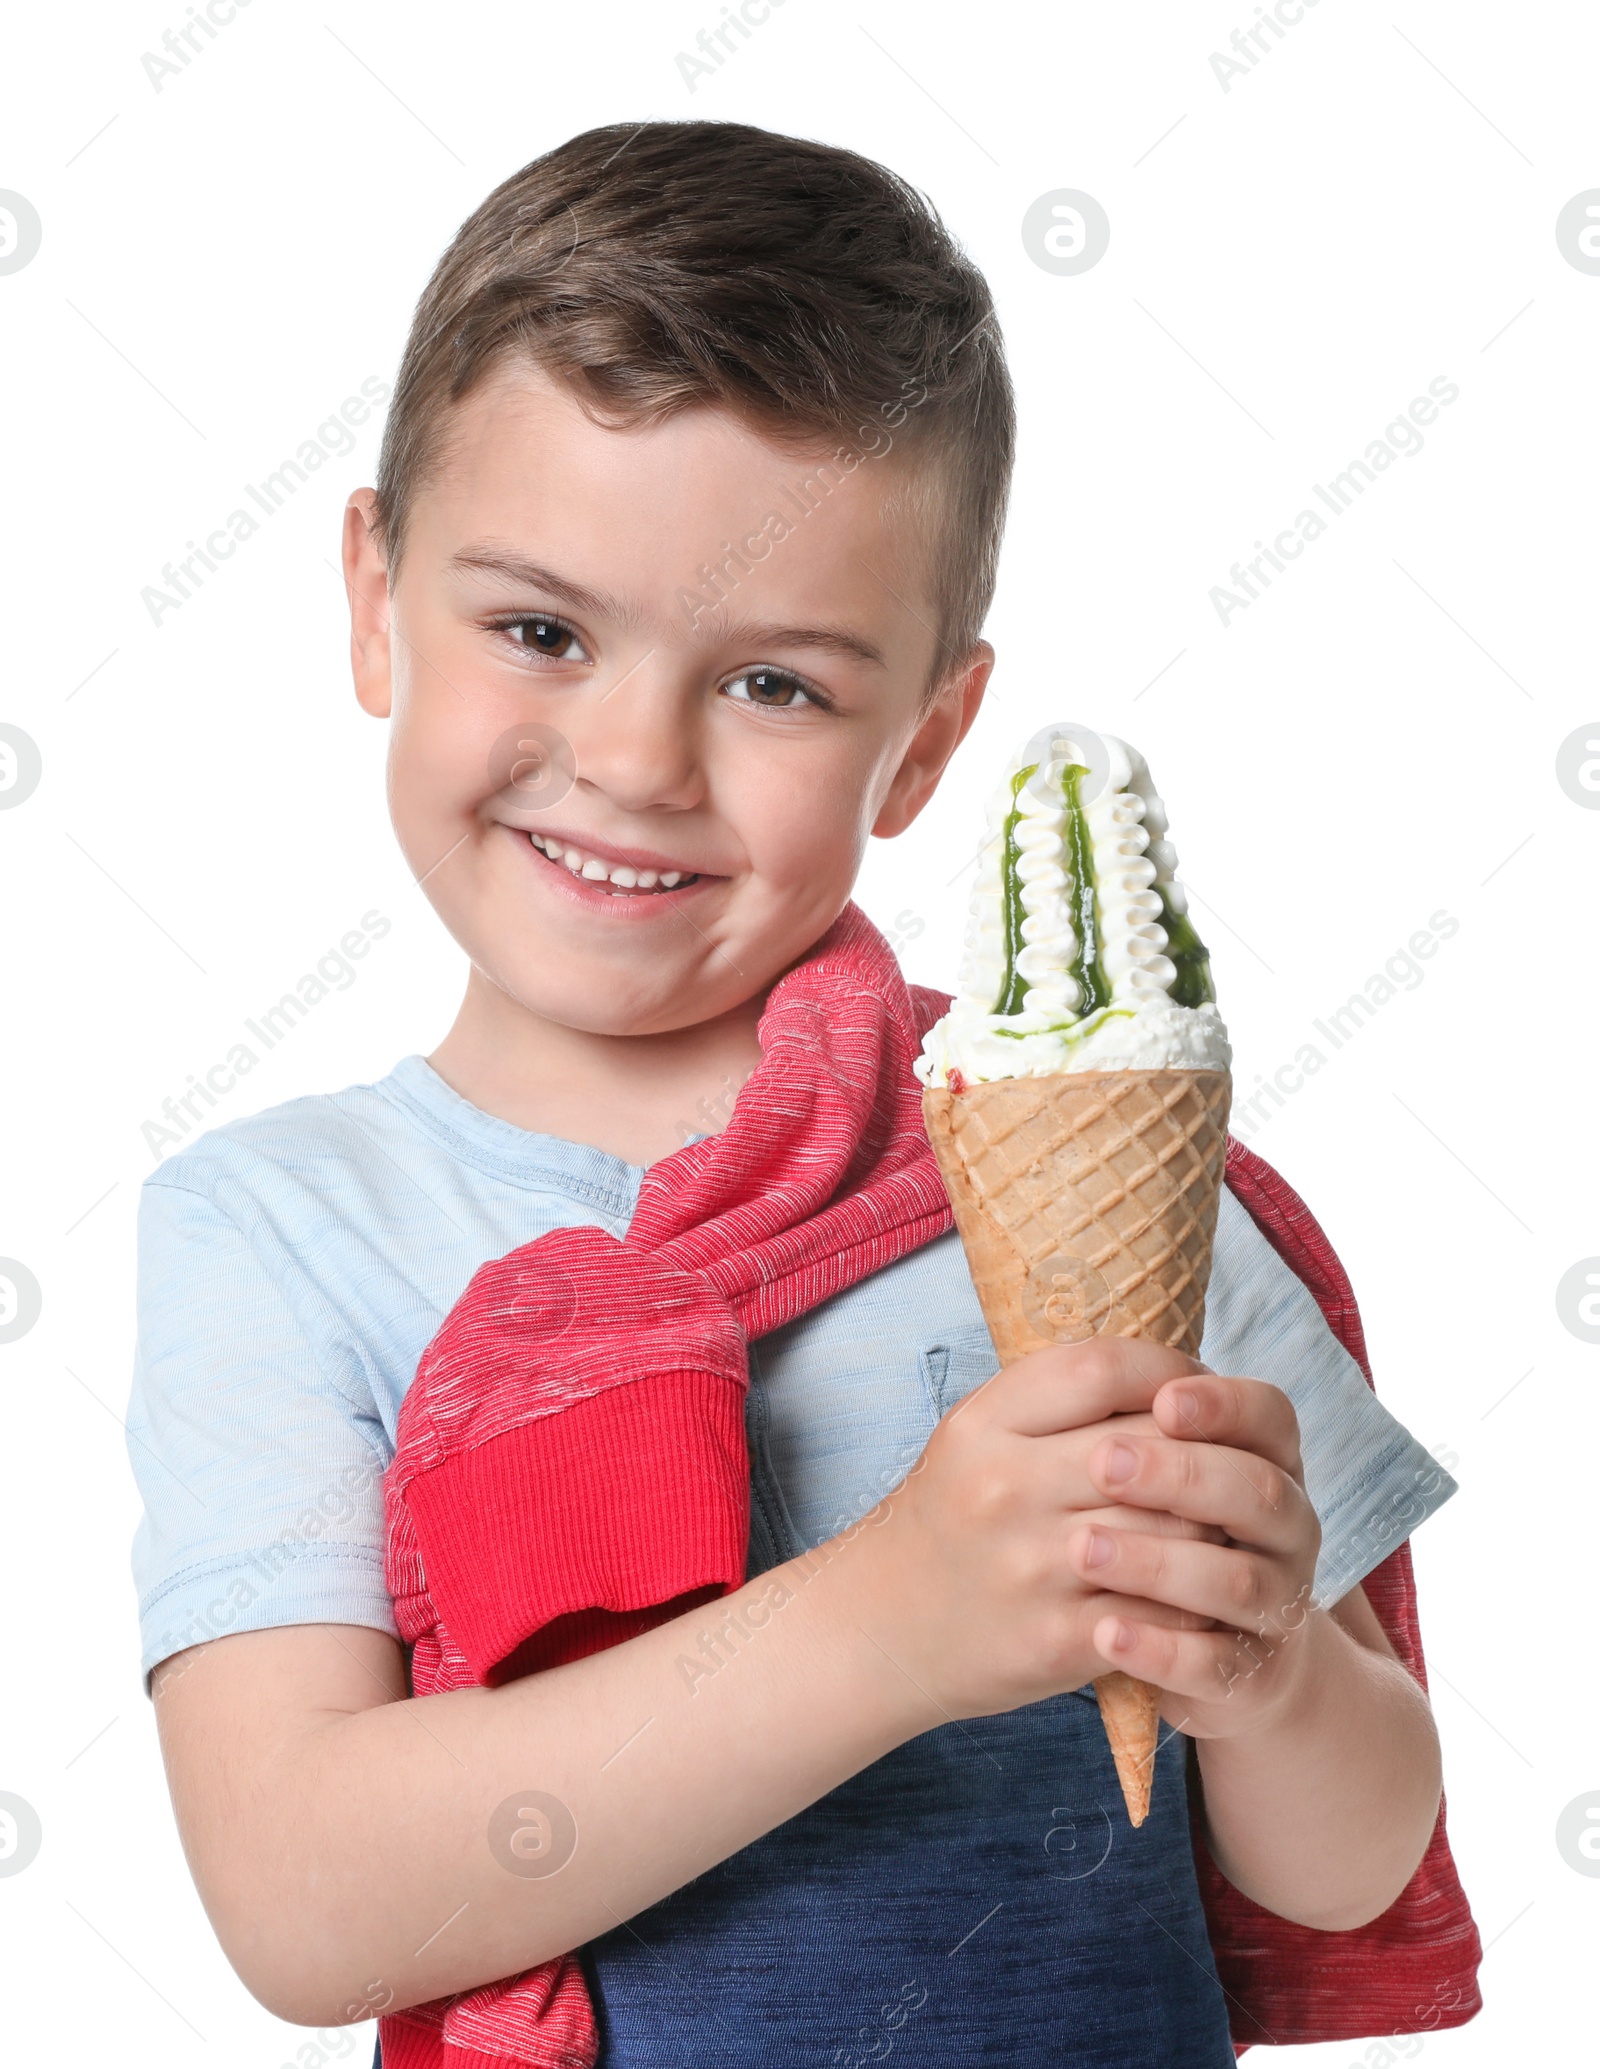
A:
x: 638, y: 1097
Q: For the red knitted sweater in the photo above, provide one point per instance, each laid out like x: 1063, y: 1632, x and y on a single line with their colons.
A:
x: 571, y: 1468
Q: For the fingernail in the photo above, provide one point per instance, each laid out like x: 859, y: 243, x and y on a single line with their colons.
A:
x: 1098, y: 1551
x: 1121, y: 1463
x: 1124, y: 1638
x: 1187, y: 1404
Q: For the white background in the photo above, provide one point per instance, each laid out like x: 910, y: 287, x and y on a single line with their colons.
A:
x: 1373, y: 740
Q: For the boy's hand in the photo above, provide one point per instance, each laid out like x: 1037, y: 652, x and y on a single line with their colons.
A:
x: 970, y: 1575
x: 1223, y: 1453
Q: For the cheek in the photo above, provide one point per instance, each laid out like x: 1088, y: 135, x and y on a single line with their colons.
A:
x: 442, y: 737
x: 430, y: 784
x: 806, y: 827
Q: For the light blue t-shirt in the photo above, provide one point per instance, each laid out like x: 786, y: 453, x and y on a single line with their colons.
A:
x: 294, y: 1265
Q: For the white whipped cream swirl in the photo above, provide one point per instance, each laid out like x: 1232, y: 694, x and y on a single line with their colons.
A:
x: 1104, y: 868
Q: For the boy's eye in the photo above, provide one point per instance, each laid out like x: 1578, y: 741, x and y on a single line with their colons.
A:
x: 769, y: 687
x: 541, y: 635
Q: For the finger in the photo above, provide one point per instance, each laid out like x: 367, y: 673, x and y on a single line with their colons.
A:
x: 1070, y: 1385
x: 1220, y: 1583
x: 1205, y: 1666
x: 1149, y: 1609
x: 1255, y: 1501
x: 1246, y: 1414
x: 1058, y: 1467
x: 1158, y: 1615
x: 1157, y: 1521
x: 1058, y: 1464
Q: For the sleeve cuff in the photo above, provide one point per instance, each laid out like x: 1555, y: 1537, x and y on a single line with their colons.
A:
x: 583, y: 1527
x: 1371, y: 1515
x: 264, y: 1590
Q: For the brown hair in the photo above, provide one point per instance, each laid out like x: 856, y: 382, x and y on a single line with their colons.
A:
x: 657, y: 267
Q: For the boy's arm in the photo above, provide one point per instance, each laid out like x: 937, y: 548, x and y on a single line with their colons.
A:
x: 1323, y: 1815
x: 343, y: 1835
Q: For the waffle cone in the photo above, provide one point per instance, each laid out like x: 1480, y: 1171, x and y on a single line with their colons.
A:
x: 1087, y: 1204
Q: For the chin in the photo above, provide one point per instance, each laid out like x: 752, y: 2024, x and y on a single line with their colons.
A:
x: 589, y: 999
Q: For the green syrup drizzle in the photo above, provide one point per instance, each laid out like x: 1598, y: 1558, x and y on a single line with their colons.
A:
x: 1191, y: 985
x: 1013, y: 986
x: 1187, y: 952
x: 1072, y: 1031
x: 1094, y: 987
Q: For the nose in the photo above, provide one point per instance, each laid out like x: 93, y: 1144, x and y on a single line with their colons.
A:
x: 636, y: 740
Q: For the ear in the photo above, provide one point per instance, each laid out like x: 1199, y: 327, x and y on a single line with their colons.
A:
x: 941, y: 732
x: 366, y: 582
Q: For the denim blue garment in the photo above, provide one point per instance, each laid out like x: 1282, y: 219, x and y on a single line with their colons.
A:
x: 873, y: 1924
x: 294, y: 1265
x: 976, y: 1898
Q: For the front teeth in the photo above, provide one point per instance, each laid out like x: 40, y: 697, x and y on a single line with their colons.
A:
x: 594, y: 871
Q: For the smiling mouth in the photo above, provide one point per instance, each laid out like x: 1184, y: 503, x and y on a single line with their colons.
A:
x: 615, y: 877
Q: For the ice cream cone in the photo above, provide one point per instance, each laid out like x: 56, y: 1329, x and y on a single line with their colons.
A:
x: 1133, y: 1724
x: 1087, y: 1203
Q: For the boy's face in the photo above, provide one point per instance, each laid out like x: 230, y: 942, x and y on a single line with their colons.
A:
x: 567, y: 689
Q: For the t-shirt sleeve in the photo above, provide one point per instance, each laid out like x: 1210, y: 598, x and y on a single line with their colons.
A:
x: 253, y: 1436
x: 1371, y: 1482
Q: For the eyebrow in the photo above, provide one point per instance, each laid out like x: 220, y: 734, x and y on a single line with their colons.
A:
x: 527, y: 574
x: 827, y: 639
x: 512, y: 567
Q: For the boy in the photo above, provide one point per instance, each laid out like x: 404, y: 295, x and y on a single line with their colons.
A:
x: 672, y: 588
